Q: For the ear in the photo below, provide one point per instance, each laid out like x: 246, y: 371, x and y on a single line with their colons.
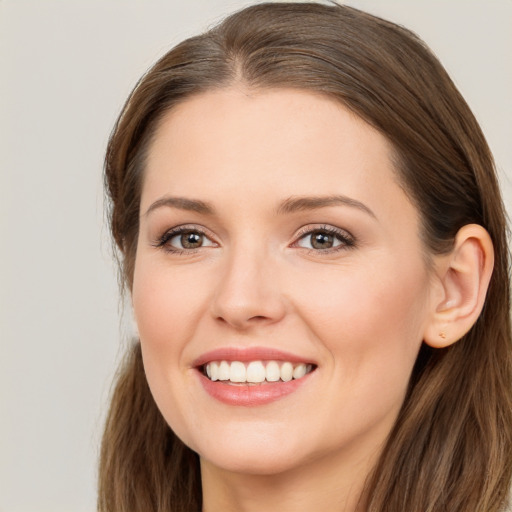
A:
x: 461, y: 282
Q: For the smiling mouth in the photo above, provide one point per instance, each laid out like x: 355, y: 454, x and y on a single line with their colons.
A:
x: 255, y: 372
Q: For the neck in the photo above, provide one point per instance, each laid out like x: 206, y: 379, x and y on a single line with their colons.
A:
x: 329, y: 484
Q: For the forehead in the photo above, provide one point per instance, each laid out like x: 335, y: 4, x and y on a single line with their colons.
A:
x: 280, y: 142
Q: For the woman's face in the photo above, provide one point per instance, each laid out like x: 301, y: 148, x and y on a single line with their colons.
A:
x: 274, y: 237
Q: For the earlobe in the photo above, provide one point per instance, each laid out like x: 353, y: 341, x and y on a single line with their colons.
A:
x: 462, y: 277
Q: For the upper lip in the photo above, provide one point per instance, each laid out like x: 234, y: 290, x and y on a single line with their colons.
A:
x: 245, y: 354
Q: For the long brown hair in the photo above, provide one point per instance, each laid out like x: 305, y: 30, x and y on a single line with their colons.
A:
x: 451, y: 446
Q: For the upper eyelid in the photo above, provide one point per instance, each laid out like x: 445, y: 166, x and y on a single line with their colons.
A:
x: 164, y: 236
x: 304, y: 230
x: 188, y: 227
x: 311, y: 228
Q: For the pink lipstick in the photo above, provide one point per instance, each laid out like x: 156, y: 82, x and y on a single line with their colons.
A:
x: 252, y: 376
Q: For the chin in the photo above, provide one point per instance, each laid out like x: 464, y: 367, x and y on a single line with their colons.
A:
x: 253, y: 462
x: 257, y: 452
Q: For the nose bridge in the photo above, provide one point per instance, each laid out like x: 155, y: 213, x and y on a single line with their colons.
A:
x: 248, y: 290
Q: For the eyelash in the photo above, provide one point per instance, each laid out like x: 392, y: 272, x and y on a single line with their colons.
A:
x: 347, y: 241
x: 163, y: 241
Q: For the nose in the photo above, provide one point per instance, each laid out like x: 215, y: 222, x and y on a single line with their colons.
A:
x: 248, y: 292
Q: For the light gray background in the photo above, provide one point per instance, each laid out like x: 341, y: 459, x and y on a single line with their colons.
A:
x: 65, y: 69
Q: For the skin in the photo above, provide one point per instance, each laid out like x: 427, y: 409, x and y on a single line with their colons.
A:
x: 359, y: 311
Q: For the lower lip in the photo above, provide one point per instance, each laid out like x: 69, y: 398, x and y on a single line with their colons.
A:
x: 253, y: 395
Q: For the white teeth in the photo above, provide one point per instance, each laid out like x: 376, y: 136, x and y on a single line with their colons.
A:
x: 214, y: 371
x: 224, y: 371
x: 286, y: 372
x: 237, y: 372
x: 256, y: 371
x: 272, y: 371
x: 299, y: 371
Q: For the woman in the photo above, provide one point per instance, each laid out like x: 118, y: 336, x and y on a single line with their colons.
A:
x: 311, y: 232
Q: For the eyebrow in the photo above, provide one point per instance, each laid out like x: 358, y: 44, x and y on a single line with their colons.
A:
x: 182, y: 203
x: 303, y: 203
x: 290, y: 205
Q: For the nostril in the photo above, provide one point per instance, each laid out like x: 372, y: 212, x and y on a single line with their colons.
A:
x: 244, y: 323
x: 245, y: 306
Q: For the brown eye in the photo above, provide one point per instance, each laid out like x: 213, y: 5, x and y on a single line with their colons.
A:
x: 321, y: 240
x: 184, y: 239
x: 191, y: 240
x: 325, y: 239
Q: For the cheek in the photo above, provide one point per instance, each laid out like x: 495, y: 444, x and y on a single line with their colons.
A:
x: 371, y: 296
x: 372, y: 321
x: 166, y: 304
